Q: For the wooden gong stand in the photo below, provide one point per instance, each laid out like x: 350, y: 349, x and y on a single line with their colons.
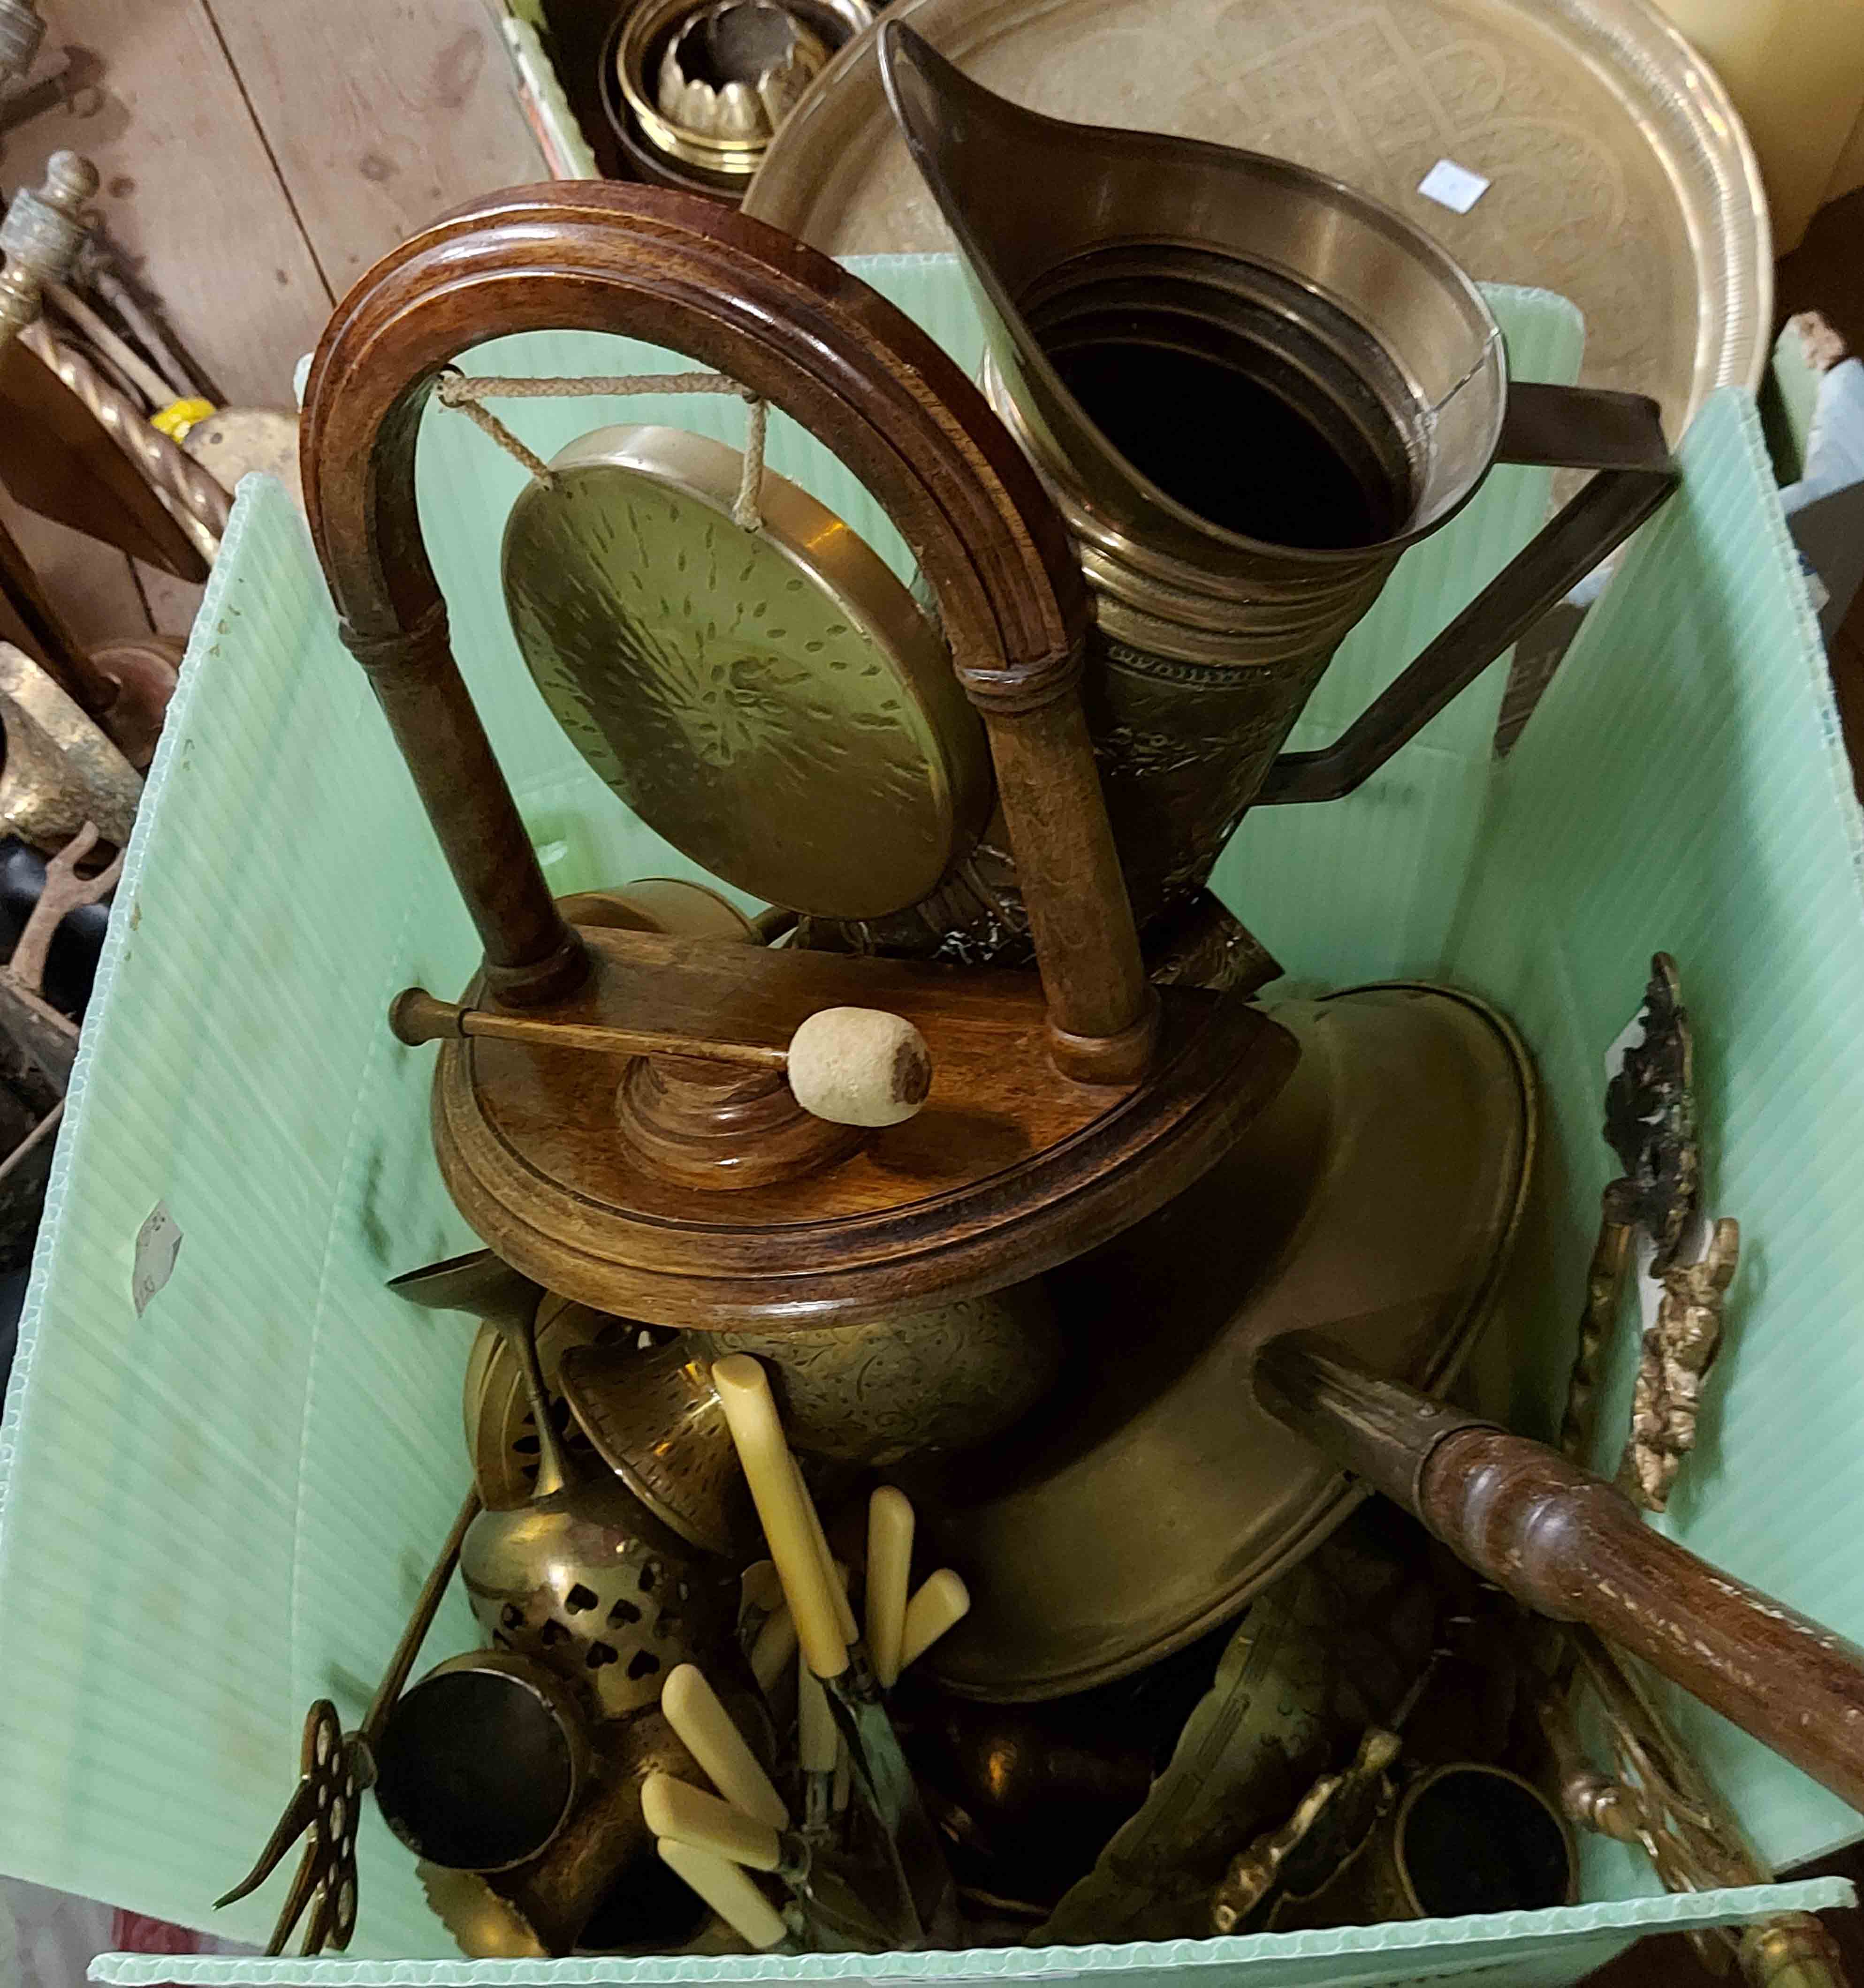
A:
x: 1064, y: 1106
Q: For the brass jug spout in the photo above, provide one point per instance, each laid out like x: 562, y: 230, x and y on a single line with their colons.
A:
x: 1136, y: 287
x: 1250, y: 389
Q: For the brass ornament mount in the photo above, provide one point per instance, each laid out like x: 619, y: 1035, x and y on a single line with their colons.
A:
x: 1656, y: 1795
x: 1062, y: 1105
x: 1341, y: 1808
x: 1650, y: 1125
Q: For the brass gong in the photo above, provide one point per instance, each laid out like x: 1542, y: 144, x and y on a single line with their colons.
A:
x: 773, y: 702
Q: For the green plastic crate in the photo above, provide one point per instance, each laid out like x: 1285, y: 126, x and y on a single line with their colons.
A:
x: 215, y: 1512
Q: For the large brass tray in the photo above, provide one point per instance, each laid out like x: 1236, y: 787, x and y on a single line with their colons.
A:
x: 1621, y: 177
x: 1375, y: 1201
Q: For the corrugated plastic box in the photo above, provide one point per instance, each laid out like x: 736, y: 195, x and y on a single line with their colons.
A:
x: 215, y: 1511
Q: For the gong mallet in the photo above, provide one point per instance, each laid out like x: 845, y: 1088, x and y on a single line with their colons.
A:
x: 849, y: 1065
x: 1570, y: 1545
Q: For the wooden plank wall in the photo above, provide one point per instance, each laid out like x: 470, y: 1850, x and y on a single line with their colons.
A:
x: 256, y: 156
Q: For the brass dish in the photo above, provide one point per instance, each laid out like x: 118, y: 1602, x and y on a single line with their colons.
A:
x: 662, y: 905
x: 734, y: 69
x: 1382, y: 1188
x: 776, y: 704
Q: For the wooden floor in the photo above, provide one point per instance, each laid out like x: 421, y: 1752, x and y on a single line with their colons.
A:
x: 256, y: 155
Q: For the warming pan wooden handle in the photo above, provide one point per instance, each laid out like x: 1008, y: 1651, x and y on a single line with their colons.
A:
x: 1570, y: 1545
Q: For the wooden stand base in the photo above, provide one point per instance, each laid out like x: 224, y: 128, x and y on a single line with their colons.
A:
x: 1010, y: 1169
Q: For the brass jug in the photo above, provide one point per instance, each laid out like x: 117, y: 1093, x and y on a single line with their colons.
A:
x: 1250, y: 389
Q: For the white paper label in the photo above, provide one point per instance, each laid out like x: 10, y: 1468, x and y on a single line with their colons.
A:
x: 158, y: 1242
x: 1453, y: 186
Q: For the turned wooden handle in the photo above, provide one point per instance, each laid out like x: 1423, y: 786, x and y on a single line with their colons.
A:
x: 415, y: 1016
x: 692, y: 274
x: 1570, y: 1544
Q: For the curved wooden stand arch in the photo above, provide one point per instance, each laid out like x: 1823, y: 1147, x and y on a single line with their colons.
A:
x: 1032, y: 1154
x: 794, y: 326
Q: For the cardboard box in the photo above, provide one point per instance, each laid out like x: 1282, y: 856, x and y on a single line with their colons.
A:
x: 215, y: 1511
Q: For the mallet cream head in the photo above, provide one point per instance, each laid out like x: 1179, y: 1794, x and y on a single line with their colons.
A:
x: 859, y: 1066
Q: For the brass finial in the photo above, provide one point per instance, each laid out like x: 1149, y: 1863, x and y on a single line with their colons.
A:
x: 40, y: 238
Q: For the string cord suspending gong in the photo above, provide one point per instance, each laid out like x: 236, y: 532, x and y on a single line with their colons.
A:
x: 467, y: 396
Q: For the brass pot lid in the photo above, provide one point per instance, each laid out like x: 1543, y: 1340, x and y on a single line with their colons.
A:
x: 775, y: 703
x: 1148, y: 1498
x: 1619, y: 175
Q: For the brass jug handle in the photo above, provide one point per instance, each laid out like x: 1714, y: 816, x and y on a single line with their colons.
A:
x: 1620, y: 437
x: 799, y: 331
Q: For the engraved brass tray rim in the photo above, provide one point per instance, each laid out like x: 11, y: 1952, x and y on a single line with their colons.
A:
x: 1672, y: 97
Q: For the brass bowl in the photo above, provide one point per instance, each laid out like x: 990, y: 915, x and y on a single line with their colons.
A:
x: 947, y: 1378
x: 868, y: 1395
x: 631, y: 61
